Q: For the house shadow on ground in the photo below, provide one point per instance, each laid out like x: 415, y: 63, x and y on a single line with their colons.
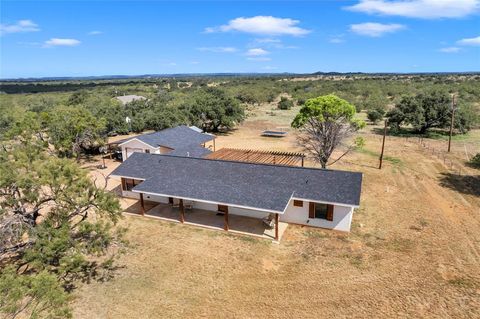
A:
x: 466, y: 184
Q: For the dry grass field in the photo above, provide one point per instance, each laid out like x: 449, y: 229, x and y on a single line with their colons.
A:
x: 414, y: 248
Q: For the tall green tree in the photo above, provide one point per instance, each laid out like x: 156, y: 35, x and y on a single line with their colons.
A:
x: 428, y: 110
x: 325, y: 124
x: 212, y: 108
x: 56, y: 227
x: 73, y: 130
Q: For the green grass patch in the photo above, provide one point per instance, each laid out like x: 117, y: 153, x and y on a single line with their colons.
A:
x: 463, y: 282
x: 435, y: 134
x: 356, y: 261
x: 391, y: 159
x: 249, y: 239
x: 314, y: 234
x: 402, y: 245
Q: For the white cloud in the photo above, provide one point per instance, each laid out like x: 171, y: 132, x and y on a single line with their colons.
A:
x: 257, y: 52
x: 259, y: 59
x: 337, y: 38
x: 266, y: 25
x: 194, y: 62
x: 268, y: 40
x: 372, y: 29
x: 19, y: 26
x: 450, y: 50
x: 96, y: 32
x: 218, y: 49
x: 53, y: 42
x: 268, y: 67
x: 272, y: 43
x: 470, y: 41
x: 424, y: 9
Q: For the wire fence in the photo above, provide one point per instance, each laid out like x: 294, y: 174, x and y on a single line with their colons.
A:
x: 455, y: 161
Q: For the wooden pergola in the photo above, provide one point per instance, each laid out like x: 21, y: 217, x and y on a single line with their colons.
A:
x: 259, y: 156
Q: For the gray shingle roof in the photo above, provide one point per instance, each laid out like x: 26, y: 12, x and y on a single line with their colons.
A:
x: 190, y: 151
x: 184, y: 141
x: 265, y: 187
x: 180, y: 137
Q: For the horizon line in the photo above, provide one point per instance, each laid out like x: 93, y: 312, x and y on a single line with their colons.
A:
x: 201, y: 74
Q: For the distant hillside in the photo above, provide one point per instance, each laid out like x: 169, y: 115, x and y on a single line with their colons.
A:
x: 213, y: 75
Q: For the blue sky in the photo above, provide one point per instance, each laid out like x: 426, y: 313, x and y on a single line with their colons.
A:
x: 75, y: 38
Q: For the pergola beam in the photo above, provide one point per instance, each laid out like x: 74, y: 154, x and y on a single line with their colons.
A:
x: 258, y: 156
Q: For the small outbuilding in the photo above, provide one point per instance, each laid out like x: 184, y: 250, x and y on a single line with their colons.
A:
x: 130, y: 98
x: 180, y: 141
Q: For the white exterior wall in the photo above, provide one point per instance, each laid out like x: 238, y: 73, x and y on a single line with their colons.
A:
x: 141, y: 147
x: 247, y: 212
x: 232, y: 210
x: 163, y: 150
x: 342, y: 217
x: 200, y: 205
x: 156, y: 198
x: 130, y: 194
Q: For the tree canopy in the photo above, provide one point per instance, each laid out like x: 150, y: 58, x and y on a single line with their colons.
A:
x: 75, y: 130
x: 55, y: 226
x: 429, y: 110
x: 212, y: 108
x: 325, y: 123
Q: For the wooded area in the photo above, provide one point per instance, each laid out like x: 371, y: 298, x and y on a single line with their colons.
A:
x: 79, y: 115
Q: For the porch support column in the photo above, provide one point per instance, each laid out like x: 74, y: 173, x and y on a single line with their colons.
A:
x: 225, y: 226
x: 276, y: 227
x: 142, y: 204
x: 182, y: 211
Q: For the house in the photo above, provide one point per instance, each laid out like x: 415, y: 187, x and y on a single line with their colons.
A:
x: 130, y: 98
x: 292, y: 194
x: 180, y: 141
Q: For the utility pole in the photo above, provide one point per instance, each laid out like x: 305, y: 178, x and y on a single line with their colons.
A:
x: 383, y: 144
x: 451, y: 122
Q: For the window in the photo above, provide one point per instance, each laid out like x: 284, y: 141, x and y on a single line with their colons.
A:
x: 129, y: 183
x: 147, y: 151
x: 297, y: 203
x: 320, y: 211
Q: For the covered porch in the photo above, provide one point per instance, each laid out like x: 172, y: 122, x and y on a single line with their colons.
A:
x: 217, y: 220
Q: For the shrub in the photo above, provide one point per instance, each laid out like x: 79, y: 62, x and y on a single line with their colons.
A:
x: 375, y: 115
x: 285, y: 103
x: 475, y: 161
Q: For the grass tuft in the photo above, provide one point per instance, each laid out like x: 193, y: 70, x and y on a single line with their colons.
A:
x: 463, y: 282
